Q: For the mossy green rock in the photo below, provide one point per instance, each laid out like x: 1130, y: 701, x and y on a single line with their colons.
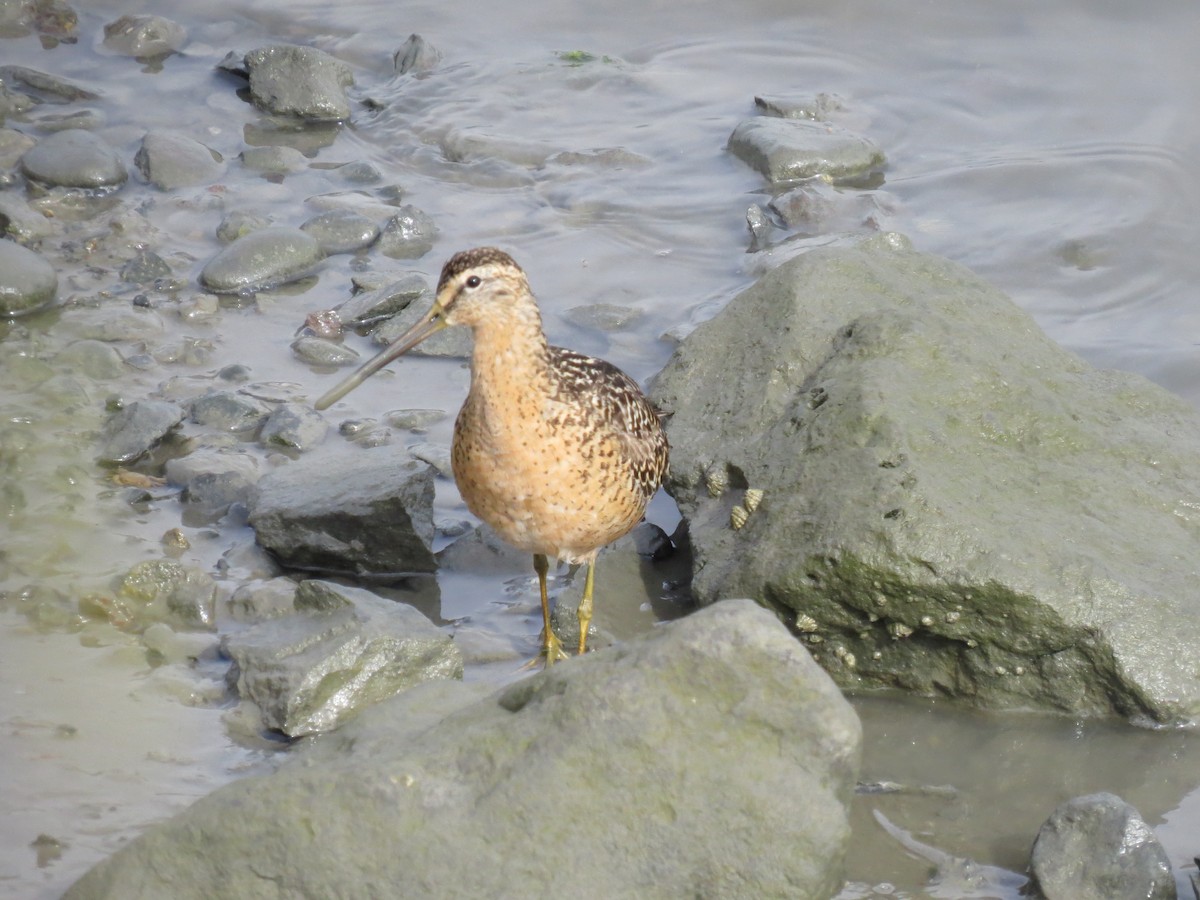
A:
x: 950, y: 502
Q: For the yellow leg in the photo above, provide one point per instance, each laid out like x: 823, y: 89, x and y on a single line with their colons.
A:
x: 585, y: 607
x: 552, y: 650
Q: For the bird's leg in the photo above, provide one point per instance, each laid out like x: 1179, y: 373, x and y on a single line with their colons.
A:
x: 585, y: 606
x: 552, y: 649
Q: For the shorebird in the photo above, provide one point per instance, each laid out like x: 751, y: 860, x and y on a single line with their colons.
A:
x: 557, y: 451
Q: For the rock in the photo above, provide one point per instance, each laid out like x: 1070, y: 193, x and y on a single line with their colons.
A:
x: 454, y: 341
x: 203, y: 472
x: 710, y: 758
x: 1099, y: 846
x: 318, y: 351
x: 238, y: 224
x: 819, y: 207
x: 416, y: 55
x: 126, y: 324
x: 228, y: 411
x: 74, y: 159
x: 299, y: 81
x: 407, y: 235
x: 163, y: 590
x: 892, y: 454
x: 19, y: 221
x: 293, y: 426
x: 466, y: 146
x: 144, y: 36
x: 136, y: 429
x: 374, y: 306
x: 274, y: 160
x: 819, y: 107
x: 341, y: 231
x: 262, y: 259
x: 27, y: 282
x: 361, y: 514
x: 349, y: 648
x: 169, y: 160
x: 46, y: 83
x: 787, y: 149
x: 145, y: 268
x: 95, y: 359
x: 258, y: 601
x: 603, y: 316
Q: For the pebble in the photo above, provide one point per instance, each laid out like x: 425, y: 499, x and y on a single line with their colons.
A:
x: 318, y: 351
x: 341, y: 231
x: 299, y: 81
x: 74, y: 158
x: 228, y: 411
x: 144, y: 36
x: 262, y: 259
x: 95, y: 359
x: 240, y: 223
x: 274, y: 160
x: 137, y: 428
x: 375, y: 305
x: 407, y: 235
x: 416, y: 55
x: 454, y: 341
x: 27, y: 281
x: 603, y: 316
x: 788, y: 149
x: 115, y: 323
x: 294, y: 427
x: 18, y: 220
x: 170, y: 160
x: 13, y: 144
x: 146, y: 267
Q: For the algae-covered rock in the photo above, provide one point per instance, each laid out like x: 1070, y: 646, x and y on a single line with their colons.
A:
x: 937, y: 496
x: 710, y: 758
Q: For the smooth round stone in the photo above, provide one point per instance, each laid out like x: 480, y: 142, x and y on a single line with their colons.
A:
x: 27, y: 282
x: 316, y: 351
x: 74, y: 158
x: 168, y: 160
x: 262, y: 259
x: 341, y: 231
x: 95, y: 359
x: 274, y: 160
x: 408, y: 235
x: 144, y: 36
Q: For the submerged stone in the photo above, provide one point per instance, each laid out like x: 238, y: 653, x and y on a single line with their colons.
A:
x: 143, y: 36
x: 27, y: 281
x: 169, y: 160
x: 135, y: 430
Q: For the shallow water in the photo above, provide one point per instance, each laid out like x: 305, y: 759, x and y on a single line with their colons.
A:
x: 1048, y: 149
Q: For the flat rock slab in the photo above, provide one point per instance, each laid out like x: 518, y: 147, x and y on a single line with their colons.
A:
x: 710, y: 758
x: 136, y: 429
x: 790, y: 149
x: 937, y: 496
x: 344, y: 649
x: 369, y: 512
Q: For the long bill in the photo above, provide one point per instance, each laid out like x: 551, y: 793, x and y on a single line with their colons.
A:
x: 431, y: 323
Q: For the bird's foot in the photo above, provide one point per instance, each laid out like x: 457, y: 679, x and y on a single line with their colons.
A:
x: 552, y: 651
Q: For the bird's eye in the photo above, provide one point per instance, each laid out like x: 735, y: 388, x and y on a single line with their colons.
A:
x: 474, y: 281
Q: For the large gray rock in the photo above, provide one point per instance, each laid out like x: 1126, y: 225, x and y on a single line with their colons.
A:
x: 345, y: 649
x: 370, y: 512
x: 947, y: 501
x: 1099, y: 846
x: 710, y: 758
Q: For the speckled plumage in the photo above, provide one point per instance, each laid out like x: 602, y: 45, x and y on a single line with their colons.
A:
x: 557, y: 451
